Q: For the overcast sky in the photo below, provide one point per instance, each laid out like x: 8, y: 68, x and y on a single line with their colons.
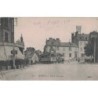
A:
x: 35, y: 31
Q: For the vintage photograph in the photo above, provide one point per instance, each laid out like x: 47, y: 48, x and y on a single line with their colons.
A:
x: 49, y: 48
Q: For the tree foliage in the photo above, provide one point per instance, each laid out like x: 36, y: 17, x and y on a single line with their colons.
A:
x: 89, y: 50
x: 29, y: 52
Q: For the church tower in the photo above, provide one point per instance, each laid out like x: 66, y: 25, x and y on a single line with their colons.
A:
x: 7, y: 30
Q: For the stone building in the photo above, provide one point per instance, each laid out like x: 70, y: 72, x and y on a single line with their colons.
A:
x: 66, y: 49
x: 80, y: 39
x: 7, y: 43
x: 7, y: 30
x: 70, y: 50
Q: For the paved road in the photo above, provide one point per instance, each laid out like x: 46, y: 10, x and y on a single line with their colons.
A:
x: 67, y: 71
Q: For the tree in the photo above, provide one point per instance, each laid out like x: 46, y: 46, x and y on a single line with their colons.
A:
x: 89, y: 50
x: 39, y: 52
x: 29, y: 52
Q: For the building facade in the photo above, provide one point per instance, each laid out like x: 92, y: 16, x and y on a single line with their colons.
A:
x: 7, y: 43
x: 81, y: 40
x: 74, y: 50
x: 7, y: 30
x: 67, y: 50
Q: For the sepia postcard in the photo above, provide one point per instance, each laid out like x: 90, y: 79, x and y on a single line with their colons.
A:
x: 48, y: 48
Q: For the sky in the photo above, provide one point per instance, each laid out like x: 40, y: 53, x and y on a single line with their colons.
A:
x: 35, y: 30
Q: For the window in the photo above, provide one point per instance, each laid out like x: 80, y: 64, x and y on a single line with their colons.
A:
x: 63, y: 54
x: 86, y: 38
x: 6, y: 22
x: 81, y: 48
x: 80, y: 38
x: 6, y: 37
x: 82, y: 55
x: 63, y: 48
x: 75, y: 54
x: 70, y: 55
x: 57, y: 48
x: 70, y: 48
x: 80, y: 43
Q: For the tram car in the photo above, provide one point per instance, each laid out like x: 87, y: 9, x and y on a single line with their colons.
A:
x: 48, y: 58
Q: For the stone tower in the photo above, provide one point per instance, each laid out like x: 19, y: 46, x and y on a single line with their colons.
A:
x: 78, y: 29
x: 7, y: 30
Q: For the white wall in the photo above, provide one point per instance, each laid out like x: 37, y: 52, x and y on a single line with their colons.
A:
x: 81, y: 49
x: 66, y: 52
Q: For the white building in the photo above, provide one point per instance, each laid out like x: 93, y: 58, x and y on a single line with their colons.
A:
x: 67, y: 50
x: 81, y: 50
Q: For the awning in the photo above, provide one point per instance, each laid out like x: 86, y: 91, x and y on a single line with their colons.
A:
x: 5, y: 53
